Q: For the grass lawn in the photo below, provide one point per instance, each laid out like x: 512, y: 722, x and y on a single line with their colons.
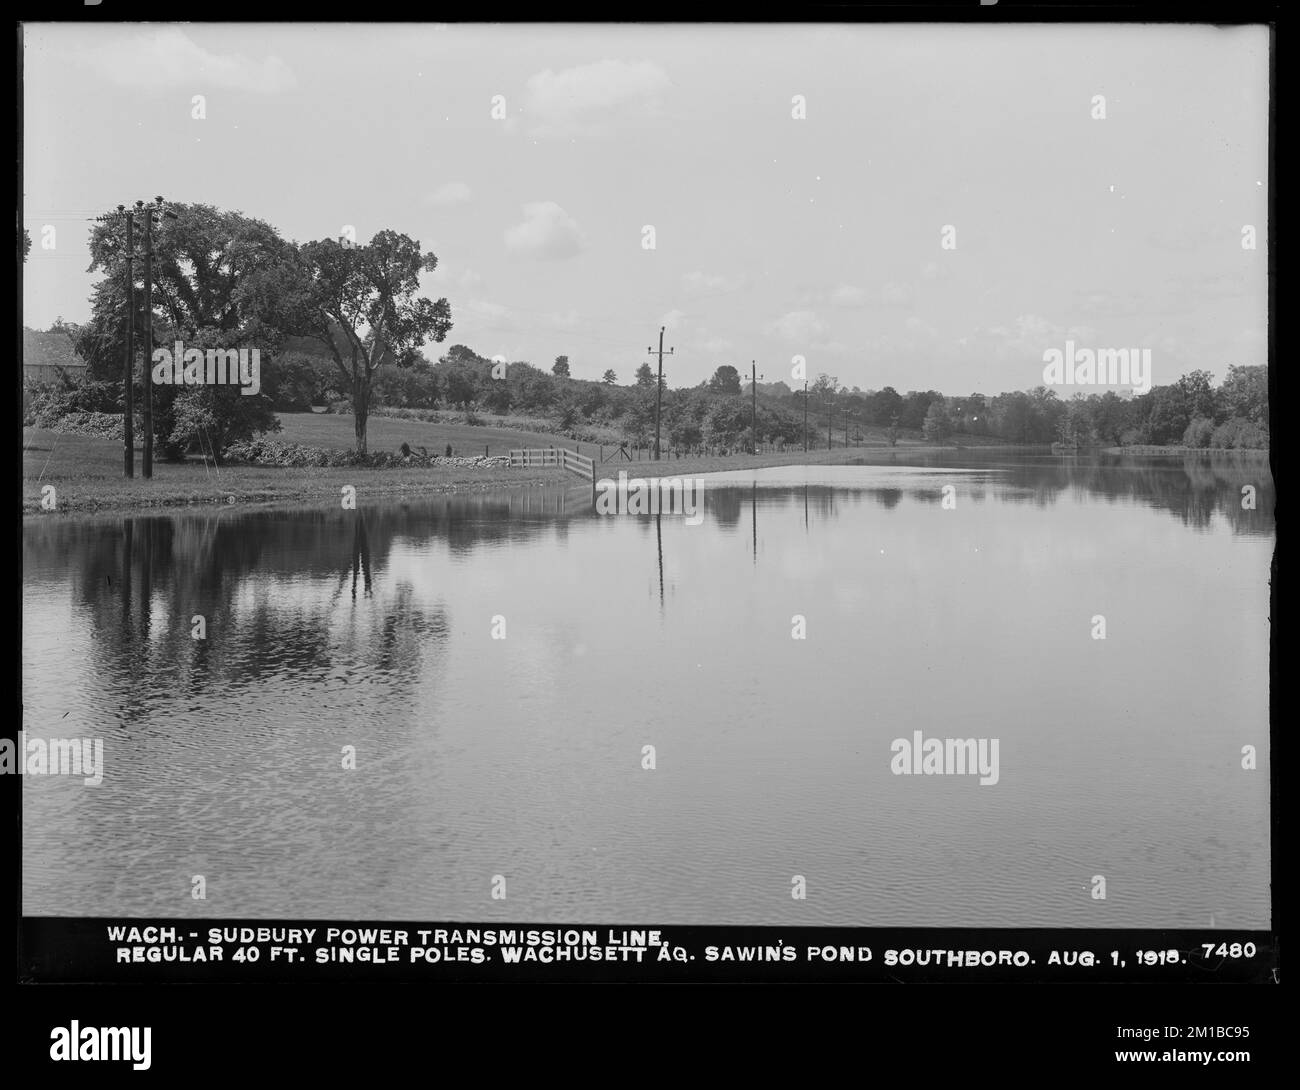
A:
x: 334, y: 431
x: 87, y: 475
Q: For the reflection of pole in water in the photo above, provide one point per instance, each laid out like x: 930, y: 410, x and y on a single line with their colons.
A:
x: 128, y: 544
x: 659, y: 535
x: 146, y: 577
x: 805, y: 507
x: 753, y: 504
x: 360, y: 556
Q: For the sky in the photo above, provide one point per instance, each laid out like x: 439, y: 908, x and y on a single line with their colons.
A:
x: 949, y: 206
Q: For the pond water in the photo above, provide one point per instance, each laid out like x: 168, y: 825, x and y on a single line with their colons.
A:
x: 479, y: 756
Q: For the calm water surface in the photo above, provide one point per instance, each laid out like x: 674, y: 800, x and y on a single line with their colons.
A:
x: 522, y: 756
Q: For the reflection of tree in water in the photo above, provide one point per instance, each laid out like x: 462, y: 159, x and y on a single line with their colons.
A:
x: 261, y: 582
x: 1194, y: 488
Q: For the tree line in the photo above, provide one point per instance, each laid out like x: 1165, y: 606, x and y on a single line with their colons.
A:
x: 344, y: 325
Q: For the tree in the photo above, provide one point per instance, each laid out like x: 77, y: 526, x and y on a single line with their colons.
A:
x: 885, y: 406
x: 26, y: 245
x: 645, y: 376
x: 561, y: 367
x: 937, y: 425
x: 1244, y: 393
x: 365, y: 298
x: 1199, y: 433
x: 208, y: 265
x: 609, y: 378
x: 725, y: 380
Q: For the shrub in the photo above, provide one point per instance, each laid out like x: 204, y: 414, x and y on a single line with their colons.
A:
x: 100, y: 425
x: 47, y: 402
x: 268, y: 452
x: 1199, y: 433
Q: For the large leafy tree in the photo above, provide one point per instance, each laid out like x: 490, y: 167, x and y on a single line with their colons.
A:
x: 207, y: 263
x: 1244, y: 393
x: 361, y: 303
x: 725, y: 380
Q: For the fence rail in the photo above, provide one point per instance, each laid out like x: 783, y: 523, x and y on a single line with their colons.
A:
x: 562, y: 457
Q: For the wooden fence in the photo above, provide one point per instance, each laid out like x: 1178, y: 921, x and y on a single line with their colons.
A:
x: 562, y: 457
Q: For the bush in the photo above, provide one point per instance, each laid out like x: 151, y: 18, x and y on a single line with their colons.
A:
x: 1239, y: 434
x: 268, y: 452
x: 48, y: 402
x: 100, y: 425
x: 405, y: 388
x: 1199, y: 433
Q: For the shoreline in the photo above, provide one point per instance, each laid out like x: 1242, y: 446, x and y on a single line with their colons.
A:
x: 177, y: 488
x: 186, y: 488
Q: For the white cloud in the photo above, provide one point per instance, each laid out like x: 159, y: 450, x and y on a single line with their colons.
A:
x: 586, y: 98
x: 1028, y: 337
x: 480, y: 314
x: 896, y: 295
x: 168, y: 57
x: 443, y: 277
x: 673, y: 320
x: 568, y: 320
x: 448, y: 194
x: 547, y: 233
x: 701, y: 282
x: 798, y: 326
x: 846, y: 295
x: 890, y: 295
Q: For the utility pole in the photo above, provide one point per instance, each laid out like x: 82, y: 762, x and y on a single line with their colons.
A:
x: 128, y: 376
x: 148, y: 339
x: 805, y: 416
x: 659, y: 386
x: 148, y: 328
x: 846, y: 428
x: 754, y: 376
x: 830, y: 421
x: 128, y: 368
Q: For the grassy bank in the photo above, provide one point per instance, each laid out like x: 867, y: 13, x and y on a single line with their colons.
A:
x: 87, y: 475
x: 87, y: 472
x: 389, y: 433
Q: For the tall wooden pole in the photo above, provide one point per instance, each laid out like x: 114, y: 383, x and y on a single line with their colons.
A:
x: 148, y: 343
x: 128, y: 373
x: 659, y: 386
